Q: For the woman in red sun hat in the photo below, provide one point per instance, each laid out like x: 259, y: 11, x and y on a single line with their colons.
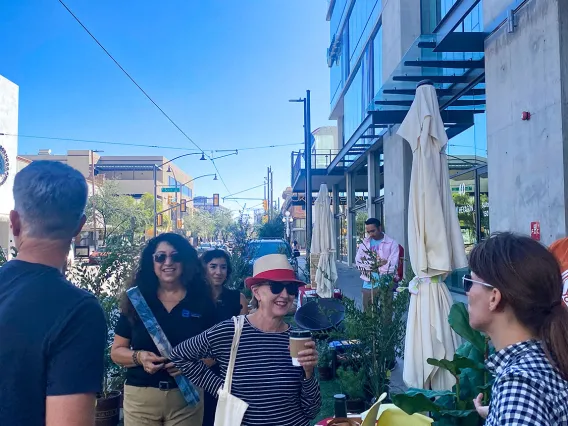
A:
x: 276, y: 391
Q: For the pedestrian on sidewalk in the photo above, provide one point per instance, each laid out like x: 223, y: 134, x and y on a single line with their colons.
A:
x: 172, y: 280
x: 386, y: 252
x: 514, y: 296
x: 53, y: 334
x: 228, y: 303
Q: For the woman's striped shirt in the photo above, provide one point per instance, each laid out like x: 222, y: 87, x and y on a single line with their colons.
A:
x: 264, y: 376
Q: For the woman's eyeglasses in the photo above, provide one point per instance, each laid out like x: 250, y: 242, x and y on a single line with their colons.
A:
x: 162, y: 257
x: 468, y: 283
x: 277, y: 287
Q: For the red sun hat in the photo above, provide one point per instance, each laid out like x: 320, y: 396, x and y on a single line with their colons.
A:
x: 272, y: 267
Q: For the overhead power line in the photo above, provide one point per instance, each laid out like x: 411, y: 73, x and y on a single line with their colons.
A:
x: 129, y: 76
x: 249, y: 148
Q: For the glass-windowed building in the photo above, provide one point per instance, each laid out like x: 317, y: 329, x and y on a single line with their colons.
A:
x: 499, y: 68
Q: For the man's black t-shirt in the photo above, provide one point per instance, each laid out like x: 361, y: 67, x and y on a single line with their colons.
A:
x: 188, y: 318
x: 52, y: 341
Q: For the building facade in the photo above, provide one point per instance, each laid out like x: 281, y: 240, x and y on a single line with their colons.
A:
x: 9, y: 97
x: 500, y: 69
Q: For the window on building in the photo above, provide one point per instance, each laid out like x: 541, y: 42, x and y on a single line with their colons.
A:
x: 353, y: 105
x: 378, y: 61
x: 362, y: 21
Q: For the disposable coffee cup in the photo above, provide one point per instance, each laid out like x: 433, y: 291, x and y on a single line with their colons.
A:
x: 298, y: 340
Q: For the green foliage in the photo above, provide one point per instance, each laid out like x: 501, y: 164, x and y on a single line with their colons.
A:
x: 106, y: 282
x: 118, y: 214
x: 351, y: 382
x: 3, y: 258
x: 201, y: 223
x: 379, y: 331
x: 242, y: 234
x: 274, y: 228
x: 455, y: 408
x: 324, y: 353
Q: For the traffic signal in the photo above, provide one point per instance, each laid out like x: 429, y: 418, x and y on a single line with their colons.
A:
x: 215, y: 200
x: 264, y: 219
x: 169, y: 199
x: 265, y: 205
x: 179, y: 224
x: 183, y: 206
x: 160, y: 220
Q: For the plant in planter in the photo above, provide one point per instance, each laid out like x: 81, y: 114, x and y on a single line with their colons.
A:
x: 325, y: 371
x: 351, y: 383
x: 455, y: 407
x: 105, y: 282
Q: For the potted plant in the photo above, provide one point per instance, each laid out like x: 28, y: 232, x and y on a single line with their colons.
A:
x: 105, y: 283
x: 325, y: 371
x: 352, y: 384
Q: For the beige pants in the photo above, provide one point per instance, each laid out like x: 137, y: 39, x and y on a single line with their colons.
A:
x: 154, y: 407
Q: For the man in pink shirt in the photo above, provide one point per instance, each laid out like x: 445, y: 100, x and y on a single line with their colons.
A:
x: 387, y: 258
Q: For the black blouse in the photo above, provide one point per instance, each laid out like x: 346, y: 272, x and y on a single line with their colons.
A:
x: 228, y: 305
x: 188, y: 318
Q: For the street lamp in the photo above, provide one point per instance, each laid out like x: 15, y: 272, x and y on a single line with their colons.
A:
x: 287, y: 219
x: 155, y: 170
x: 308, y: 161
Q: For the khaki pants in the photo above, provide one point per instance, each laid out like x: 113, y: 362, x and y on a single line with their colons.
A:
x: 154, y: 407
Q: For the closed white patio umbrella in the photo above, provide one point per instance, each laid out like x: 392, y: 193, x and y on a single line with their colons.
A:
x: 435, y: 244
x: 323, y: 244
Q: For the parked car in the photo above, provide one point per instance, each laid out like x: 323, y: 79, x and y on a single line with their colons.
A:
x: 97, y: 256
x: 262, y: 247
x: 203, y: 247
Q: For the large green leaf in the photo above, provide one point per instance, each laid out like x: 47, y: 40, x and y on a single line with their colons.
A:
x: 455, y: 366
x: 429, y: 393
x: 417, y: 403
x: 461, y: 417
x: 459, y: 321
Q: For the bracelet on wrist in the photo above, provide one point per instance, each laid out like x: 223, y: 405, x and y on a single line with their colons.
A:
x: 135, y: 358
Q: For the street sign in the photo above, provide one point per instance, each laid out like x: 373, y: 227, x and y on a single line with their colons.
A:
x: 170, y: 189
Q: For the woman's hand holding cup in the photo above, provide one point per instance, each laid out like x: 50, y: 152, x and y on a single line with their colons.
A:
x: 308, y: 358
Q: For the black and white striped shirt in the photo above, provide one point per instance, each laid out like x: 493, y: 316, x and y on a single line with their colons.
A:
x: 264, y: 376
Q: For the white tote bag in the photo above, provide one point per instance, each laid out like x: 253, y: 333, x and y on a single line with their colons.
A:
x: 230, y: 409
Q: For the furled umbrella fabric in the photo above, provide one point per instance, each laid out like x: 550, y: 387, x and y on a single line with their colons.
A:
x: 435, y: 244
x: 323, y: 243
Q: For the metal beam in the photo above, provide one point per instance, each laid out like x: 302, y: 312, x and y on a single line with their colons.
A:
x: 462, y: 42
x: 452, y: 116
x: 433, y: 78
x: 447, y: 64
x: 459, y: 103
x: 440, y: 92
x: 363, y: 127
x: 454, y: 17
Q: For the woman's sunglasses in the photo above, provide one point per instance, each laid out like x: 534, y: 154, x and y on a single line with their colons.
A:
x: 468, y: 282
x: 277, y: 287
x: 162, y: 257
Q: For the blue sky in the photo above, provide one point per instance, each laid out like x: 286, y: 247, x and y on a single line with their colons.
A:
x: 222, y: 69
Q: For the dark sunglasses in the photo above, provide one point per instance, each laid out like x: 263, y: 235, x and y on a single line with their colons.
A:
x: 468, y: 282
x: 277, y: 287
x: 161, y: 257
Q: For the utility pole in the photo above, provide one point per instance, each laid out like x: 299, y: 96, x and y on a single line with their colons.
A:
x: 271, y: 191
x: 308, y: 160
x: 269, y: 213
x: 93, y: 198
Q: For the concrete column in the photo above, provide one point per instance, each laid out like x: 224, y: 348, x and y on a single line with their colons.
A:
x: 398, y: 166
x: 350, y: 218
x: 372, y: 189
x: 527, y: 70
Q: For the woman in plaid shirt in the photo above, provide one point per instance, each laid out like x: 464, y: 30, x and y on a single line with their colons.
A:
x: 514, y: 295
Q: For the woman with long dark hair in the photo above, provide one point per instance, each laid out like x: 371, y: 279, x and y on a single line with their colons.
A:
x: 172, y: 281
x: 514, y: 295
x: 228, y: 303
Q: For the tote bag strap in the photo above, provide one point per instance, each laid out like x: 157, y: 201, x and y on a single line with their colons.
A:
x: 239, y: 323
x: 189, y: 392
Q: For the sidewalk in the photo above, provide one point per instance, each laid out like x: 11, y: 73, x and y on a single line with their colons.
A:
x: 349, y: 282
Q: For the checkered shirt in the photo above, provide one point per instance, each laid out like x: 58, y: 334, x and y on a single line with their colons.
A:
x: 528, y: 390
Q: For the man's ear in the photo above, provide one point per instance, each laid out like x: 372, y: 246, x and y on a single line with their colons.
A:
x: 15, y: 223
x: 81, y: 224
